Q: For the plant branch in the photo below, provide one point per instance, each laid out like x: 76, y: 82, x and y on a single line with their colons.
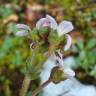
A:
x: 40, y: 87
x: 25, y: 86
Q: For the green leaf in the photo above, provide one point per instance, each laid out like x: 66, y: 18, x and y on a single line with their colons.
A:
x: 91, y: 43
x: 80, y: 45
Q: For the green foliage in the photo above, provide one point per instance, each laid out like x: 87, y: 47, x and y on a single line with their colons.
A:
x: 91, y: 43
x: 34, y: 35
x: 34, y: 64
x: 80, y: 45
x: 86, y: 58
x: 5, y: 11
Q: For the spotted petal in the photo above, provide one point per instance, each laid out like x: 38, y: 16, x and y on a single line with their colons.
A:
x: 23, y: 26
x: 40, y: 23
x: 53, y: 23
x: 64, y: 27
x: 22, y: 33
x: 68, y: 44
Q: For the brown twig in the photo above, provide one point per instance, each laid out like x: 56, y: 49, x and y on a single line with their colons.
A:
x: 40, y: 87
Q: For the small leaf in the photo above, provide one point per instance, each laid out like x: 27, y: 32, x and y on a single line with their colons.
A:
x: 80, y: 45
x: 91, y: 43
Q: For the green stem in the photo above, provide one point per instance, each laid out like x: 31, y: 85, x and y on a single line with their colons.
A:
x: 40, y: 87
x: 7, y: 90
x: 25, y: 86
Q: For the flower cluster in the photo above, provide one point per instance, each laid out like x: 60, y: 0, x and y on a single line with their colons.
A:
x: 54, y: 31
x: 62, y: 29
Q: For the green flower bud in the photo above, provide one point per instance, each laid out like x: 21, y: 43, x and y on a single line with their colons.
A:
x: 54, y: 39
x: 44, y: 33
x: 57, y: 75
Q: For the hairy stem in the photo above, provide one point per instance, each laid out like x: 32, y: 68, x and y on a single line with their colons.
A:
x: 25, y: 86
x: 40, y: 87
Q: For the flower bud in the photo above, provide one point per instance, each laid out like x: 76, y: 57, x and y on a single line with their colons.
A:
x: 57, y: 75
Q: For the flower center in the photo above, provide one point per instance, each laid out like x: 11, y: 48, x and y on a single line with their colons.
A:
x: 46, y: 24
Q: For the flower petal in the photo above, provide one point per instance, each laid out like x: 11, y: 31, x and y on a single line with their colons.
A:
x: 68, y: 44
x: 23, y: 26
x: 69, y: 72
x: 64, y: 27
x: 60, y: 61
x: 53, y: 23
x: 60, y: 54
x: 22, y: 33
x: 48, y: 19
x: 40, y: 23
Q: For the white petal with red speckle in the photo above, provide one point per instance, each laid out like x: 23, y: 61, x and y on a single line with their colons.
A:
x: 53, y: 23
x: 40, y: 23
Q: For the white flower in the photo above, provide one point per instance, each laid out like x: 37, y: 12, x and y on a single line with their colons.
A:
x: 63, y: 28
x: 68, y: 72
x: 22, y: 33
x: 23, y: 30
x: 49, y: 21
x: 68, y: 44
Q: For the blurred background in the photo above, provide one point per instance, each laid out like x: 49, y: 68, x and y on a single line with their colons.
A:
x: 14, y: 50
